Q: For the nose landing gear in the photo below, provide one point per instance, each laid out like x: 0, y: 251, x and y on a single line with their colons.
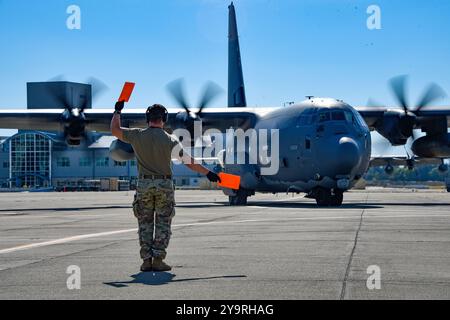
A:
x: 327, y: 198
x: 239, y: 198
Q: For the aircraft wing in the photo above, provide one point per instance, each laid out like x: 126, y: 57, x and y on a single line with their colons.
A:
x: 99, y: 119
x: 45, y: 120
x: 372, y: 114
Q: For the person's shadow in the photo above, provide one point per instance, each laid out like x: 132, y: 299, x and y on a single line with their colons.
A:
x: 160, y: 278
x: 147, y: 278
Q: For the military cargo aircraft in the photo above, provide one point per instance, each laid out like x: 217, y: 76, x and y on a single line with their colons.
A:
x: 325, y: 144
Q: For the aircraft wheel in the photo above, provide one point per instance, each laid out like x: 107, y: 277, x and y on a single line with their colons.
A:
x: 240, y: 199
x: 323, y: 197
x: 337, y: 198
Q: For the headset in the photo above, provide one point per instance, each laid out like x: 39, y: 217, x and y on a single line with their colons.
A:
x: 156, y: 112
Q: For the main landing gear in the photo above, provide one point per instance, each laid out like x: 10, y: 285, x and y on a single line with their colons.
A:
x: 328, y: 198
x: 239, y: 199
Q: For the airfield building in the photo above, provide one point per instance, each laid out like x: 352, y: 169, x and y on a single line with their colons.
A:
x: 32, y: 159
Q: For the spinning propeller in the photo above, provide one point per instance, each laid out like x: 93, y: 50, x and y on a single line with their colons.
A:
x: 186, y: 119
x: 73, y: 118
x: 407, y: 122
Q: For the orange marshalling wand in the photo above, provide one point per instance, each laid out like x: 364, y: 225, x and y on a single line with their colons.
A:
x: 126, y: 91
x: 229, y: 181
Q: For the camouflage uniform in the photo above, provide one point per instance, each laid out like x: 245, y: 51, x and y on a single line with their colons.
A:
x: 154, y: 207
x: 154, y: 201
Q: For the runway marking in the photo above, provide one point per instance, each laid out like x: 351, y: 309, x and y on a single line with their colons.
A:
x: 64, y: 240
x: 11, y: 214
x: 67, y: 215
x: 255, y: 207
x: 103, y: 234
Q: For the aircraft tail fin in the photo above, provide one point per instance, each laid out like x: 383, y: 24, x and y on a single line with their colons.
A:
x: 236, y: 88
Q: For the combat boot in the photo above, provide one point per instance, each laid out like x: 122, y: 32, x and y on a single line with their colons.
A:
x: 160, y: 265
x: 147, y: 265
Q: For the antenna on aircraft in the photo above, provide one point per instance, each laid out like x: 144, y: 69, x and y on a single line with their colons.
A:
x: 289, y: 103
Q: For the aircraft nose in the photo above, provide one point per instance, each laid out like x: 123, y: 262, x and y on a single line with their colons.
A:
x: 348, y: 155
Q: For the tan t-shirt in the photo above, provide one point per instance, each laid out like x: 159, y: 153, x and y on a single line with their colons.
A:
x: 153, y: 148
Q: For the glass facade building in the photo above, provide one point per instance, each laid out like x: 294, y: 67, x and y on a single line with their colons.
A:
x: 30, y: 160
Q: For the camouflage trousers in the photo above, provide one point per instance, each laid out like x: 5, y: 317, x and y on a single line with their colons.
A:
x: 154, y: 207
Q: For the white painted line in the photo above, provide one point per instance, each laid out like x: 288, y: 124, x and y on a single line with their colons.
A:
x: 68, y: 216
x: 64, y: 240
x: 103, y: 234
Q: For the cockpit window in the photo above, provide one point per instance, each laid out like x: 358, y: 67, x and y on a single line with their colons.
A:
x: 307, y: 117
x: 349, y: 116
x: 338, y: 116
x: 352, y: 117
x: 360, y: 120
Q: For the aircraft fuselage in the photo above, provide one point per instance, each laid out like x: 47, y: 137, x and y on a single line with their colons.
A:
x: 322, y: 143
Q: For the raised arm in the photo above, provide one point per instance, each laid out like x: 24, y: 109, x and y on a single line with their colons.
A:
x: 116, y: 129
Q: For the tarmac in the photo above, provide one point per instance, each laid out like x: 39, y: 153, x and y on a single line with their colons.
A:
x: 381, y: 244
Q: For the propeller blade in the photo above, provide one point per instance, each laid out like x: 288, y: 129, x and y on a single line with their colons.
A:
x: 98, y: 87
x: 398, y: 87
x: 176, y: 90
x: 210, y: 92
x: 59, y: 96
x: 432, y: 93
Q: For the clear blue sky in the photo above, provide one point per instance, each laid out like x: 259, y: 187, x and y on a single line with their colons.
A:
x: 290, y: 48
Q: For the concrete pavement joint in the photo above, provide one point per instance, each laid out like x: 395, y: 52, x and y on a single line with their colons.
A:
x: 350, y: 259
